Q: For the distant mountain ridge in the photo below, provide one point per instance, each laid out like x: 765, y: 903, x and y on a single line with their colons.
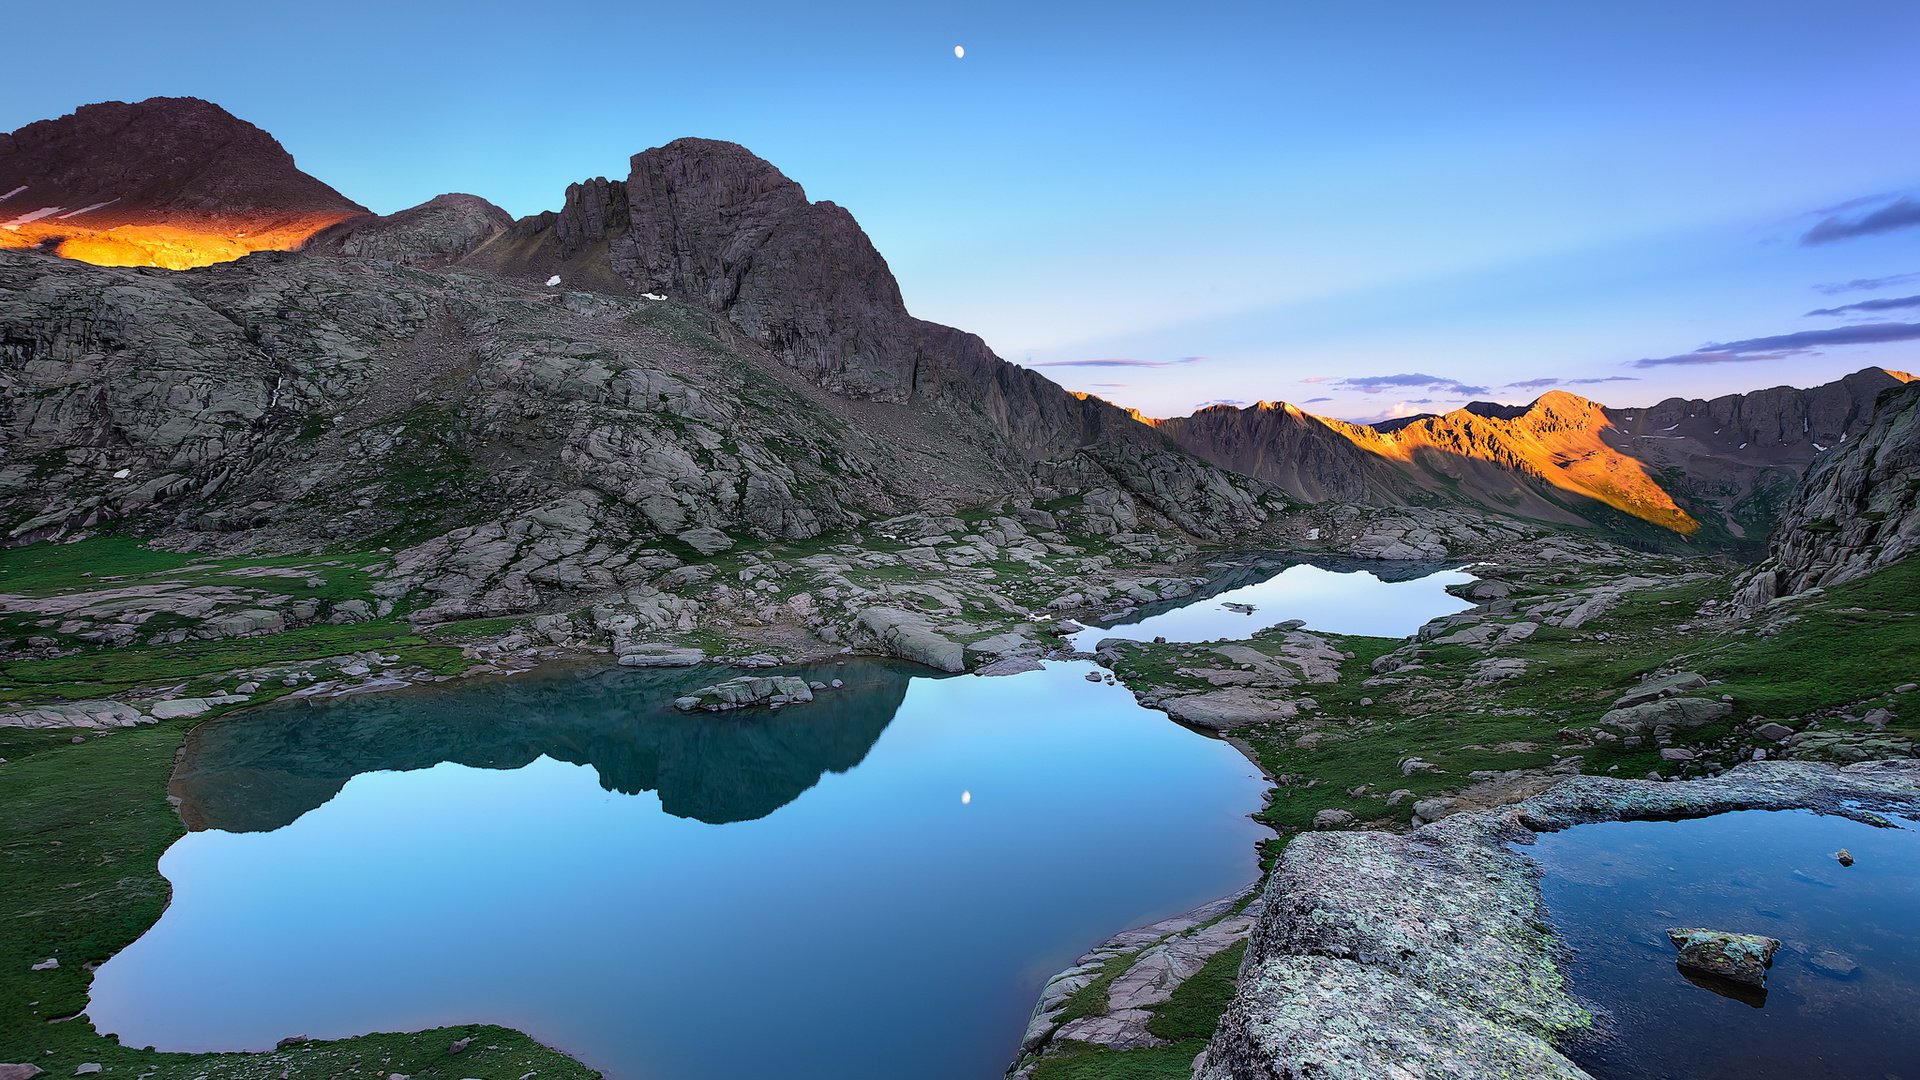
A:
x: 180, y: 182
x: 1684, y: 465
x: 172, y: 182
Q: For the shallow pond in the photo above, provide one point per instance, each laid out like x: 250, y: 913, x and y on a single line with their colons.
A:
x: 876, y: 884
x: 1381, y: 599
x: 1844, y: 989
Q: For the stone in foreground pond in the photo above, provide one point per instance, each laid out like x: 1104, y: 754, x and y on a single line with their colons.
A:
x: 1744, y: 958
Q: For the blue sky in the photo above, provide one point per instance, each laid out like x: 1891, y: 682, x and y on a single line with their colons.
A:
x: 1388, y: 206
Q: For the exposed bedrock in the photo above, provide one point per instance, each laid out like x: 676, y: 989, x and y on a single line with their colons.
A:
x: 1430, y: 954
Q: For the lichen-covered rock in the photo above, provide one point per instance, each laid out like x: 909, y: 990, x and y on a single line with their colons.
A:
x: 1331, y: 1018
x: 1744, y: 958
x: 1430, y: 955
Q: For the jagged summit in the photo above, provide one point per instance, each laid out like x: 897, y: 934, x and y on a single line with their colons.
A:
x: 174, y: 182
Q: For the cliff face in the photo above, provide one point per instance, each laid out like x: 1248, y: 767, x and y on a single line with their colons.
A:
x: 173, y: 182
x: 1857, y: 510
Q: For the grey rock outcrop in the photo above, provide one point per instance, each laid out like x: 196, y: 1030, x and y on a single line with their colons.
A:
x: 1428, y: 954
x: 1857, y: 510
x: 746, y: 691
x: 434, y: 233
x: 1666, y: 713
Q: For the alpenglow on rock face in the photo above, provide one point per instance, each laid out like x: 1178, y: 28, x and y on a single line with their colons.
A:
x: 172, y: 182
x: 1713, y: 471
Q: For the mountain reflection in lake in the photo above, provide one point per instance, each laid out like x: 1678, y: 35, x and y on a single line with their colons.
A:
x: 872, y: 885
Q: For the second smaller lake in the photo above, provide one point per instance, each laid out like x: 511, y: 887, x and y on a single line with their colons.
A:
x: 1384, y: 600
x: 1844, y: 987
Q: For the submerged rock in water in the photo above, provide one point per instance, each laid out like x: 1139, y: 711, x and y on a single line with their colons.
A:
x: 747, y: 690
x: 1833, y: 964
x: 1744, y: 958
x: 1844, y: 857
x: 1010, y: 665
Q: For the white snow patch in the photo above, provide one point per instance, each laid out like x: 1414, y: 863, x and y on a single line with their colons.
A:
x: 1820, y: 448
x: 651, y: 296
x: 552, y: 281
x: 35, y: 216
x: 1743, y: 446
x: 123, y: 474
x: 85, y: 209
x: 11, y: 194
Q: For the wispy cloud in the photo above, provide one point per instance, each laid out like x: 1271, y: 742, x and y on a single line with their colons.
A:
x: 1376, y: 384
x: 1235, y: 402
x: 1901, y: 213
x: 1781, y: 345
x: 1121, y: 362
x: 1542, y: 384
x: 1835, y: 288
x: 1889, y: 303
x: 1315, y: 400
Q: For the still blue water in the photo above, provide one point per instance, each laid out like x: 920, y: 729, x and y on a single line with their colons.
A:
x: 873, y: 885
x: 1392, y: 602
x: 1844, y: 990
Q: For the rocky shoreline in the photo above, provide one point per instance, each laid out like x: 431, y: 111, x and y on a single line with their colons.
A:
x: 1429, y: 954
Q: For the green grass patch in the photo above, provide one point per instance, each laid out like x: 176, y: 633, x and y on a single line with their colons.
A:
x: 101, y: 673
x: 1173, y: 1062
x: 82, y: 565
x: 1194, y: 1009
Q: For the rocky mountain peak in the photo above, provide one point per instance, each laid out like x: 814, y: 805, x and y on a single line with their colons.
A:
x: 172, y: 182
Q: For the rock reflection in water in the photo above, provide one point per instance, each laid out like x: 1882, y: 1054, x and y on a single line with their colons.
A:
x: 261, y: 770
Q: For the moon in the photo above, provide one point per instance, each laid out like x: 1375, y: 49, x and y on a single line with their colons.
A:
x: 959, y: 51
x: 966, y: 797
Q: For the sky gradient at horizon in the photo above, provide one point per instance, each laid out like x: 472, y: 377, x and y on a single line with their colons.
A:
x: 1362, y: 209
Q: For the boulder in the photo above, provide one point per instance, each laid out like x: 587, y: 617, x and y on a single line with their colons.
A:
x: 177, y: 708
x: 648, y: 656
x: 706, y: 540
x: 1655, y: 689
x: 911, y: 636
x: 1224, y: 710
x: 1332, y: 819
x: 1677, y: 712
x: 76, y: 714
x: 746, y: 691
x: 18, y: 1071
x: 1743, y: 958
